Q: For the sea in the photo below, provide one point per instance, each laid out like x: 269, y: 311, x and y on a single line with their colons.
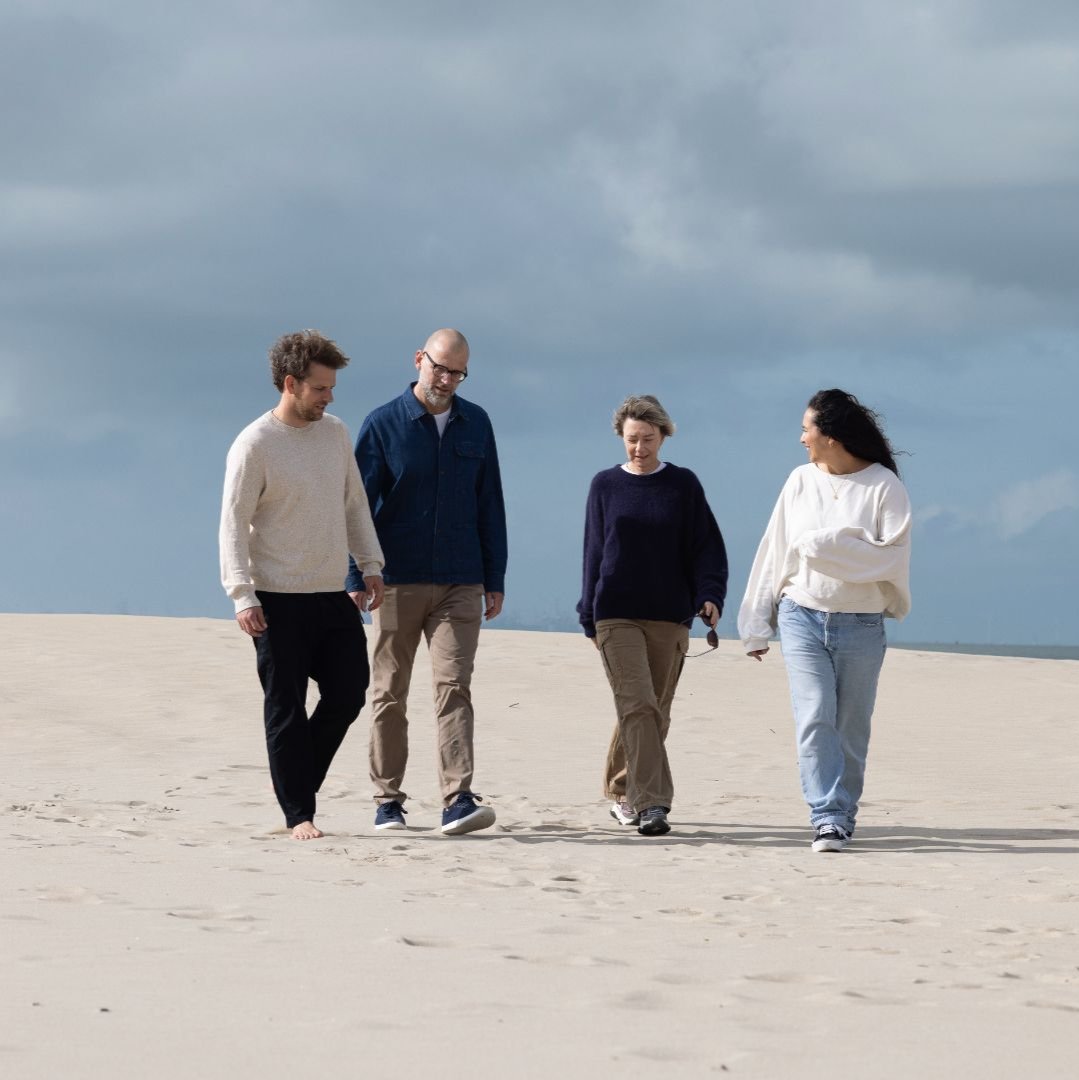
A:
x: 562, y: 624
x: 1034, y: 652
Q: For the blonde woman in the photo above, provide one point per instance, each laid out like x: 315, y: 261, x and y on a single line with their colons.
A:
x: 653, y: 559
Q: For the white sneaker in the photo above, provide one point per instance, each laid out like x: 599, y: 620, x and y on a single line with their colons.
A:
x: 830, y: 838
x: 624, y: 814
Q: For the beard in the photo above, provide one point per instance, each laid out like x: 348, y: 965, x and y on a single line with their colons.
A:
x: 309, y: 413
x: 435, y: 398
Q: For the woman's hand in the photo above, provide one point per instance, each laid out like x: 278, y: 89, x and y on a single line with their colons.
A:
x: 757, y: 654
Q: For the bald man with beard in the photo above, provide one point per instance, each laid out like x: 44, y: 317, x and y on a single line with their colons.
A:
x: 430, y: 468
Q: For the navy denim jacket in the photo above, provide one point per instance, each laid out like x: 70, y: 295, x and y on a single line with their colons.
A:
x: 437, y: 503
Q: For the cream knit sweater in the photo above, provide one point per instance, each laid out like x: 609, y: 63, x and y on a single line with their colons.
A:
x: 834, y: 543
x: 293, y: 509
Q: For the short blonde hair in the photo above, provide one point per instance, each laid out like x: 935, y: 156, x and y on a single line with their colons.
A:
x: 643, y: 407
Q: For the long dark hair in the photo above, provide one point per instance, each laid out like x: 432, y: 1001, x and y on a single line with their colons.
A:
x: 841, y: 416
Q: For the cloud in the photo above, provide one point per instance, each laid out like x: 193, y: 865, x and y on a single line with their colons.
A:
x: 1021, y: 507
x: 728, y: 204
x: 779, y: 173
x: 950, y: 108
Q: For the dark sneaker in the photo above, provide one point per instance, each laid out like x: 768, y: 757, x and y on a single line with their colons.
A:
x: 830, y: 838
x: 464, y: 816
x: 390, y: 815
x: 624, y: 814
x: 654, y: 822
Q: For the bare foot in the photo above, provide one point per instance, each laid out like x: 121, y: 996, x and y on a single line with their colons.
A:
x: 305, y: 831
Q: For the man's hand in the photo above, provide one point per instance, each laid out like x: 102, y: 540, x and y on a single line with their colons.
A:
x: 370, y: 596
x: 374, y: 591
x: 757, y: 654
x: 252, y: 621
x: 492, y: 604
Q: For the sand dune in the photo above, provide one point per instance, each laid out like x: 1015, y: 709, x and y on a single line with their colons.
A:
x: 157, y: 921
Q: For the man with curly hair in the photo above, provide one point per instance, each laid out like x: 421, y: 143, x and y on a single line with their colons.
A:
x: 294, y: 509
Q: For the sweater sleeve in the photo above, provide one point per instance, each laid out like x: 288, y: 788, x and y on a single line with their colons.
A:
x: 370, y: 461
x: 710, y: 569
x: 593, y: 556
x: 757, y: 615
x: 364, y: 548
x: 244, y: 479
x: 853, y: 554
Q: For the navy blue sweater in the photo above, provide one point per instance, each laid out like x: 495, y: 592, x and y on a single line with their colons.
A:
x: 652, y: 549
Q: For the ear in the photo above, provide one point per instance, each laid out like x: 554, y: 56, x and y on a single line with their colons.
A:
x: 419, y: 359
x: 290, y: 384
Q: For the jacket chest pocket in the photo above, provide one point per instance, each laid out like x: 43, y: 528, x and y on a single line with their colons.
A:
x: 468, y: 462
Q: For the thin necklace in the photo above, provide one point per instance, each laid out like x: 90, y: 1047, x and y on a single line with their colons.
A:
x: 835, y: 490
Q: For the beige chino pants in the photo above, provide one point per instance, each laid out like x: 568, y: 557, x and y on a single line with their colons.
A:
x: 643, y: 659
x: 448, y: 616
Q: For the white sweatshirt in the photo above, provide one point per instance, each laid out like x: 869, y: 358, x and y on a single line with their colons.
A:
x: 294, y: 508
x: 834, y: 543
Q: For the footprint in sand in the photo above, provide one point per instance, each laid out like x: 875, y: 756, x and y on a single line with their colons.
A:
x: 69, y: 894
x: 661, y: 1054
x: 640, y: 999
x: 1052, y: 1005
x: 216, y: 921
x: 595, y: 961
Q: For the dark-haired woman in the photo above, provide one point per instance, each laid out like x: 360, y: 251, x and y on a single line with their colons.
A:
x: 653, y: 559
x: 833, y: 563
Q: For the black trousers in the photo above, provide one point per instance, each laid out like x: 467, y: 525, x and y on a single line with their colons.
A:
x: 308, y: 636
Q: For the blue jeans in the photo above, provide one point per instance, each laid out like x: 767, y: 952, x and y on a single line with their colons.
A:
x: 833, y: 663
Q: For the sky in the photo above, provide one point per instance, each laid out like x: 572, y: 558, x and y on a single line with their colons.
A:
x: 728, y: 205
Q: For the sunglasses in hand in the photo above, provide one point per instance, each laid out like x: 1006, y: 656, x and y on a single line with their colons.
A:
x: 712, y: 639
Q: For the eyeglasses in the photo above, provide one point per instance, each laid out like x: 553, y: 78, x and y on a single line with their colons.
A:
x: 712, y: 640
x: 441, y: 370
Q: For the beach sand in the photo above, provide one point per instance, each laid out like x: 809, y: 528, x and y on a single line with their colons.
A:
x: 158, y: 921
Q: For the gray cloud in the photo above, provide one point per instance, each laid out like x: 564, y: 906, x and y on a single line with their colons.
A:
x: 727, y: 204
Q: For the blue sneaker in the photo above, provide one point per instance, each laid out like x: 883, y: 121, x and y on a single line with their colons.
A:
x: 390, y: 815
x: 464, y: 816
